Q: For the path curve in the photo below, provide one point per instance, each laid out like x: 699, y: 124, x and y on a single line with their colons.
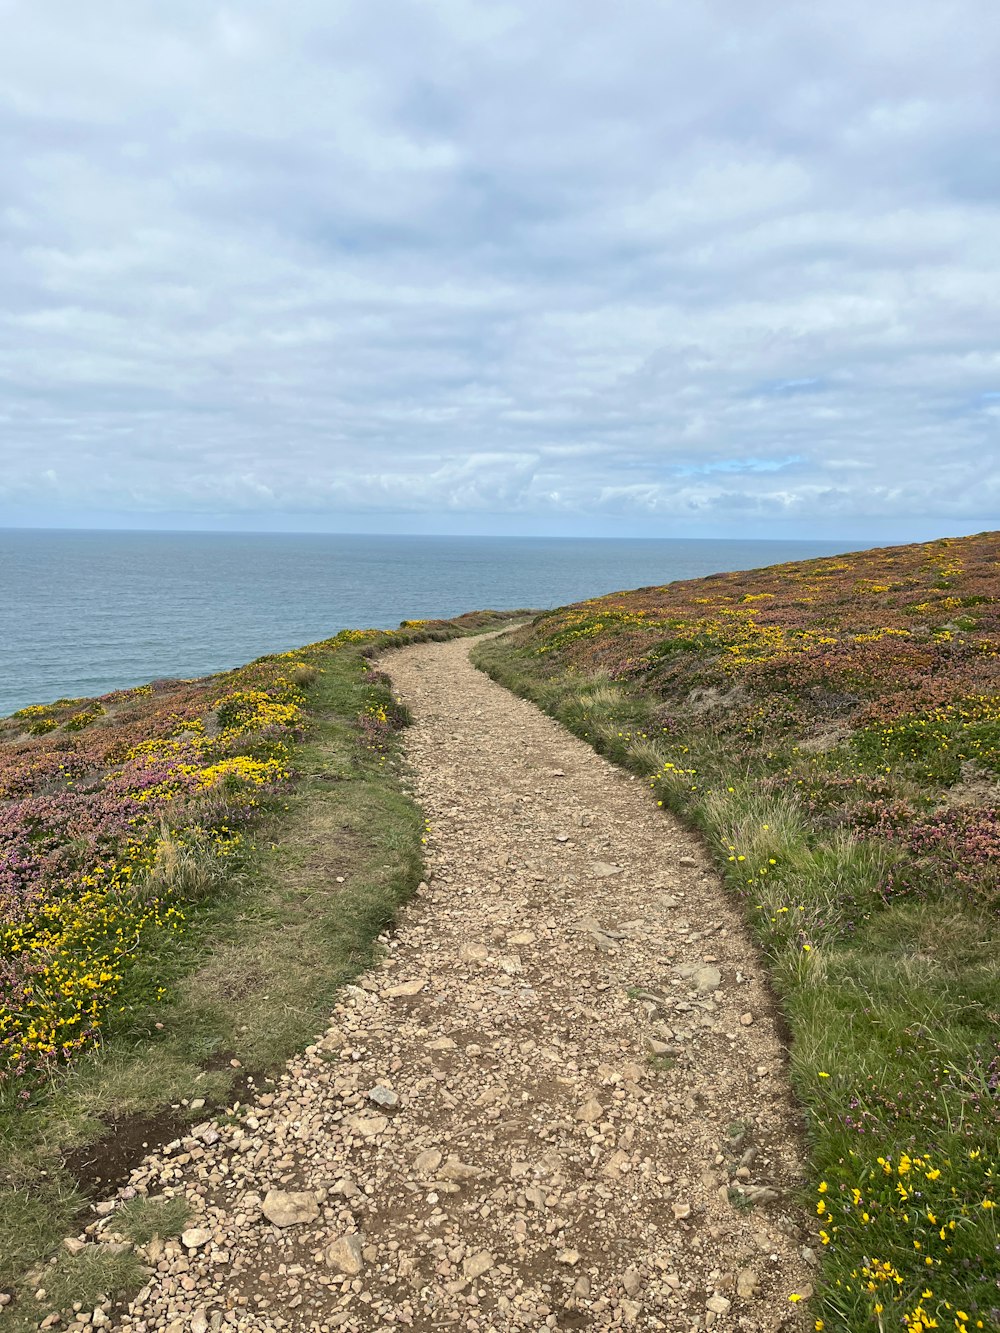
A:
x: 535, y: 1112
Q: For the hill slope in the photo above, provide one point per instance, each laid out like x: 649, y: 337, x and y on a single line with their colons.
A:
x: 833, y: 726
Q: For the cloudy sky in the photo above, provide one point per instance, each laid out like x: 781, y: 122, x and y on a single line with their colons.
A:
x: 660, y: 267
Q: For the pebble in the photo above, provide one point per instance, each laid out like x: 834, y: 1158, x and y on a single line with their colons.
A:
x: 290, y: 1208
x: 407, y: 989
x: 747, y: 1282
x: 477, y: 1264
x: 195, y: 1237
x: 345, y: 1254
x: 381, y: 1096
x: 590, y: 1112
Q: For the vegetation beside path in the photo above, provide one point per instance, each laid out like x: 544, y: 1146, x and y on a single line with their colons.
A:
x: 188, y: 873
x: 833, y: 728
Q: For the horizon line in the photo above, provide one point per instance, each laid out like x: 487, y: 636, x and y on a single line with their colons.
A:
x: 436, y: 536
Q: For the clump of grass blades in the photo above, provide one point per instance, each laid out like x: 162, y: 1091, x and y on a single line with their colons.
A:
x: 303, y: 675
x: 89, y: 1280
x: 141, y: 1219
x: 181, y: 867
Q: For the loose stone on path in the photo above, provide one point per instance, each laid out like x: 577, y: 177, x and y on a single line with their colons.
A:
x: 549, y: 1106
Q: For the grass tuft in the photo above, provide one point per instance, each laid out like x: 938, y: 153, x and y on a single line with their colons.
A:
x: 141, y: 1219
x: 91, y: 1279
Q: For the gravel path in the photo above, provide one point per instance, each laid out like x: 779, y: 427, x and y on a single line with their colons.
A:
x: 560, y: 1102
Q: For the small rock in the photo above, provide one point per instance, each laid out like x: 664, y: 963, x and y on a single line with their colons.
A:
x: 382, y: 1096
x: 617, y: 1164
x: 604, y: 870
x: 197, y: 1104
x: 345, y: 1254
x: 199, y: 1322
x: 195, y: 1237
x: 590, y: 1112
x: 441, y: 1044
x: 632, y: 1282
x: 427, y: 1162
x: 406, y: 989
x: 453, y: 1169
x: 290, y: 1208
x: 746, y: 1020
x: 522, y: 937
x: 581, y: 1287
x: 477, y: 1264
x: 681, y: 1211
x: 747, y: 1282
x: 718, y: 1305
x: 569, y: 1257
x: 368, y: 1126
x: 473, y: 953
x: 73, y: 1245
x: 686, y: 861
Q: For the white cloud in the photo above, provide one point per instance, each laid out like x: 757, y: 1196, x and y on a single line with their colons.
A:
x: 511, y: 261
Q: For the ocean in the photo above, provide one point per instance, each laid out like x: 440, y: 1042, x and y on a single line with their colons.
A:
x: 82, y: 613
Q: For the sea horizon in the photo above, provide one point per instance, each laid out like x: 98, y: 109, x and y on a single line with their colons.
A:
x: 87, y: 610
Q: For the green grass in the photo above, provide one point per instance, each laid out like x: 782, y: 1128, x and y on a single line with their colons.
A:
x: 893, y: 1004
x: 94, y: 1277
x: 141, y: 1218
x: 268, y: 943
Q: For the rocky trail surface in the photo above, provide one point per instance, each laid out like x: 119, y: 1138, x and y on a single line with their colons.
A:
x: 559, y: 1102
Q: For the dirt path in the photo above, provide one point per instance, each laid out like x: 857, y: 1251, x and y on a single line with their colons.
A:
x: 536, y: 1113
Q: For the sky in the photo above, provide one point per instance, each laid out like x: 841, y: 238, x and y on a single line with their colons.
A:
x: 666, y: 267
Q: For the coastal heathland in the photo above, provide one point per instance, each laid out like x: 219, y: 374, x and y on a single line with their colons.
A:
x: 833, y: 728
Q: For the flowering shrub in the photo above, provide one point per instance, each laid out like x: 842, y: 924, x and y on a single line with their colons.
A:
x: 116, y: 812
x: 887, y: 659
x: 92, y: 795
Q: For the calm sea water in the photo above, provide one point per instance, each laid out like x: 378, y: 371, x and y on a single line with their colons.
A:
x: 82, y: 613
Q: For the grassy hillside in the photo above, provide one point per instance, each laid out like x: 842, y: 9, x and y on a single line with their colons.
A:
x: 833, y: 727
x: 188, y: 872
